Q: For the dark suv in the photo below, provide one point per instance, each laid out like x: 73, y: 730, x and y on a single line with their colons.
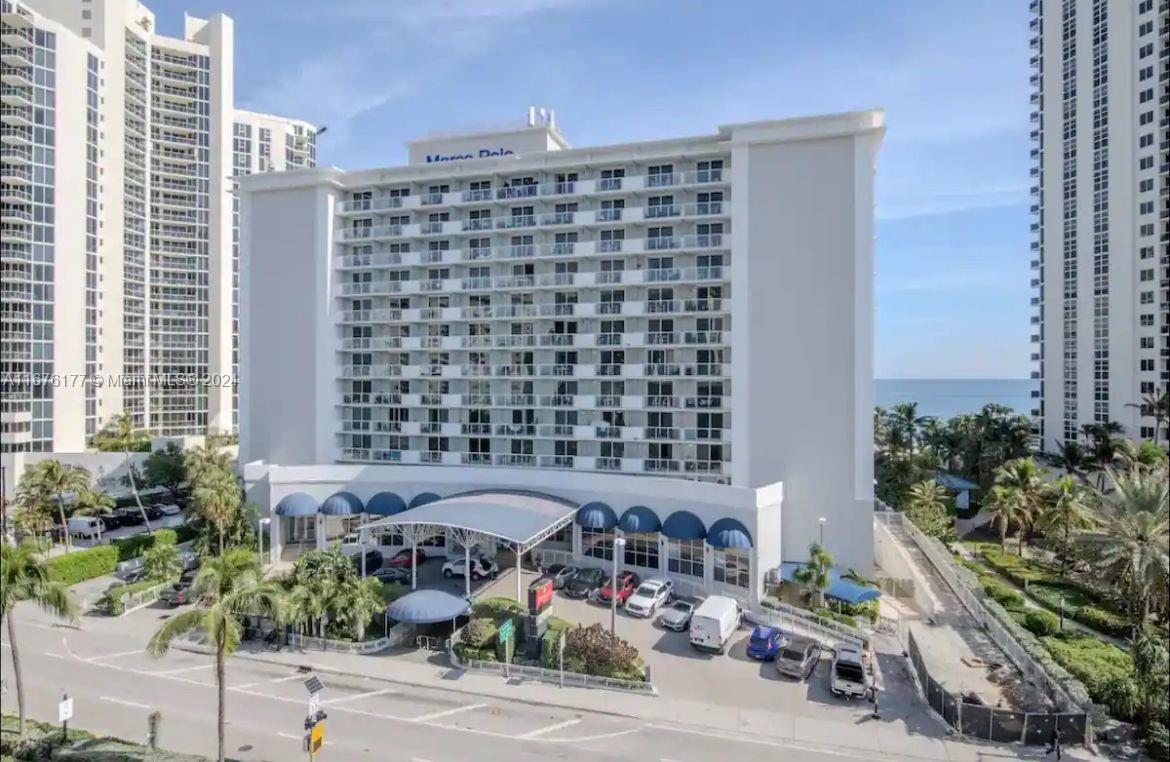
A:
x: 584, y: 583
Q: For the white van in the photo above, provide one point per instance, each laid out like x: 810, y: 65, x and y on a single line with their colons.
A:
x: 713, y: 623
x: 89, y: 527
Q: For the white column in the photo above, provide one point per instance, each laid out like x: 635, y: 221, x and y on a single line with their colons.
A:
x: 320, y: 526
x: 708, y: 566
x: 413, y: 561
x: 577, y: 551
x: 662, y: 560
x: 519, y: 592
x: 275, y: 541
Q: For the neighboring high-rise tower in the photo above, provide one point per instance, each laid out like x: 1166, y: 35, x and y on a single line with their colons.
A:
x: 119, y: 253
x: 1100, y: 120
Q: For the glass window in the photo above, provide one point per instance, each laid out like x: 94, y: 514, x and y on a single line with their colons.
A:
x: 641, y: 550
x: 597, y: 543
x: 685, y: 557
x: 732, y: 567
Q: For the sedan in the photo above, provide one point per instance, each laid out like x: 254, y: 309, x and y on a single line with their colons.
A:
x: 176, y: 595
x: 392, y: 574
x: 170, y: 509
x: 627, y: 583
x: 153, y: 512
x: 401, y: 559
x: 677, y: 616
x: 765, y: 642
x: 799, y: 658
x: 560, y: 575
x: 129, y: 517
x: 584, y: 583
x: 649, y: 596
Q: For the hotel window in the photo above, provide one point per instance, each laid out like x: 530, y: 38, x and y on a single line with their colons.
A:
x: 660, y: 175
x: 685, y: 556
x: 710, y: 171
x: 641, y: 550
x: 611, y: 240
x: 731, y: 567
x: 597, y: 543
x: 1147, y: 342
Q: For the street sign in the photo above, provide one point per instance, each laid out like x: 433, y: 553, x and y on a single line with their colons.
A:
x: 506, y: 630
x: 316, y: 738
x: 65, y: 709
x: 314, y: 704
x: 314, y: 685
x: 561, y: 644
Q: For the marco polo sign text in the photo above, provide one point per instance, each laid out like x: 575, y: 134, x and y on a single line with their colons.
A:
x: 483, y: 153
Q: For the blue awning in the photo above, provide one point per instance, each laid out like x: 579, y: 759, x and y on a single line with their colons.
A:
x: 385, y: 504
x: 684, y: 525
x: 423, y: 498
x: 427, y: 607
x: 639, y: 519
x: 342, y: 504
x: 729, y: 533
x: 596, y: 515
x: 842, y: 589
x: 296, y: 504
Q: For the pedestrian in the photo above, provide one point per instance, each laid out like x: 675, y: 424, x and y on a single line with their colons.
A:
x: 1054, y: 741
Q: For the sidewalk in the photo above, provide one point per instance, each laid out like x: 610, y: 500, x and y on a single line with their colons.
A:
x: 863, y: 737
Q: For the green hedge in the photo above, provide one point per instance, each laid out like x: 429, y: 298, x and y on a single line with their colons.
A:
x: 549, y: 656
x: 1040, y: 622
x: 80, y: 565
x: 1002, y: 594
x: 111, y: 601
x: 497, y: 609
x: 837, y: 616
x: 1078, y: 608
x: 480, y: 632
x: 1094, y: 662
x: 135, y: 545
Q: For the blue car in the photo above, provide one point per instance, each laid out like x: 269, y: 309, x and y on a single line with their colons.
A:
x: 765, y: 642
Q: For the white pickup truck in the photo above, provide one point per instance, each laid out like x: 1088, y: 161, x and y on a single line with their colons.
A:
x: 851, y: 676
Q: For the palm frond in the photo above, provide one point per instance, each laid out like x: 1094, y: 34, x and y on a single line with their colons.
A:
x: 187, y: 622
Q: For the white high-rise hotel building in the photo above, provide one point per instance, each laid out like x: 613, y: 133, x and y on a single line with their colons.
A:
x: 119, y: 259
x: 681, y: 326
x: 1101, y: 133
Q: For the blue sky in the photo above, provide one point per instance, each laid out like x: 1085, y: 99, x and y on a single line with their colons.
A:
x: 952, y: 183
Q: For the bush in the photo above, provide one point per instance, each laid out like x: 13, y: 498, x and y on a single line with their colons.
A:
x: 80, y: 565
x: 185, y: 532
x: 1103, y: 621
x: 837, y: 616
x: 465, y: 653
x: 480, y: 632
x: 497, y: 609
x: 594, y: 650
x: 1093, y: 662
x: 1158, y: 741
x: 549, y: 643
x: 1040, y: 622
x: 111, y: 601
x: 1002, y: 594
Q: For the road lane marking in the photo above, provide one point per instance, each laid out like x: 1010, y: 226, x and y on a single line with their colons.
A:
x: 290, y: 735
x: 356, y: 696
x: 181, y: 670
x: 779, y: 743
x: 283, y: 679
x: 124, y: 702
x: 448, y: 712
x: 550, y: 728
x: 53, y: 655
x: 114, y: 655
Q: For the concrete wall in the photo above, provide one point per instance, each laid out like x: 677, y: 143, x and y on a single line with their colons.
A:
x: 896, y: 564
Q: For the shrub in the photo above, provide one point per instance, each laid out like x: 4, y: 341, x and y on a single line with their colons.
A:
x: 550, y: 641
x: 1157, y: 741
x: 837, y: 616
x: 498, y: 609
x: 1040, y: 622
x: 594, y: 650
x: 185, y: 533
x: 111, y: 602
x: 1002, y: 594
x: 467, y: 652
x: 480, y: 632
x: 1103, y: 621
x: 135, y: 545
x: 80, y: 565
x: 1093, y: 662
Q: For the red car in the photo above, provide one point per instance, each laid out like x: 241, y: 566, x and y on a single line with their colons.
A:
x: 627, y: 583
x: 402, y: 558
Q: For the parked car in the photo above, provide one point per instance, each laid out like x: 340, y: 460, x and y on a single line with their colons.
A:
x: 86, y: 526
x: 176, y: 595
x: 560, y: 575
x: 188, y: 575
x: 135, y: 575
x: 583, y: 583
x: 170, y: 509
x: 112, y: 521
x: 373, y: 561
x: 849, y: 677
x: 677, y: 616
x: 129, y: 517
x: 713, y: 623
x: 480, y: 568
x: 392, y: 574
x: 627, y: 583
x: 649, y: 596
x: 765, y: 641
x: 402, y: 558
x: 154, y: 512
x: 799, y: 658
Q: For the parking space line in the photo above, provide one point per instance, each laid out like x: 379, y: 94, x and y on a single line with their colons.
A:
x: 181, y: 670
x: 52, y: 655
x: 447, y: 712
x: 114, y: 655
x: 282, y: 679
x: 124, y: 702
x: 550, y: 728
x: 356, y: 696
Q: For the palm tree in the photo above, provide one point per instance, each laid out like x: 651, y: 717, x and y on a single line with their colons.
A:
x: 91, y: 502
x: 1144, y: 455
x: 1065, y: 509
x: 1022, y: 476
x: 217, y: 499
x: 1156, y: 405
x: 926, y: 506
x: 1132, y: 545
x: 355, y: 602
x: 905, y: 423
x: 227, y: 588
x: 308, y: 604
x: 1072, y: 459
x: 1008, y: 507
x: 203, y: 463
x: 1102, y: 440
x: 25, y: 577
x: 813, y: 577
x: 53, y: 480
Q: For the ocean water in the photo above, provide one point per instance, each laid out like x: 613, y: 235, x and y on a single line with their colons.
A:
x: 944, y: 398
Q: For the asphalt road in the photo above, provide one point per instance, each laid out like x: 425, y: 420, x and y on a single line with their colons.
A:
x: 115, y: 685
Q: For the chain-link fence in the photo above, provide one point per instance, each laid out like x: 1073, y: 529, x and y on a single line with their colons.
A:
x: 992, y: 724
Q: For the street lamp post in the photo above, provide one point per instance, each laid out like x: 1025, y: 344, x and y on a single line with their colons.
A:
x: 822, y: 521
x: 1062, y: 612
x: 618, y: 544
x: 260, y: 524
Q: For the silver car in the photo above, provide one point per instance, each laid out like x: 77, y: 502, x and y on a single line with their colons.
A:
x: 799, y: 658
x: 677, y: 616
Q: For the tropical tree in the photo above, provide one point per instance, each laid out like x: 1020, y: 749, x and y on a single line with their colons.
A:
x: 926, y: 506
x: 206, y: 463
x: 25, y: 577
x: 161, y: 560
x: 91, y: 502
x: 813, y: 577
x: 1155, y: 404
x: 308, y: 605
x: 120, y: 432
x: 50, y: 481
x: 1064, y: 510
x: 226, y: 589
x: 355, y: 603
x: 905, y: 425
x: 1132, y: 545
x: 1101, y: 443
x: 217, y: 500
x: 166, y: 468
x: 1143, y: 455
x: 1023, y: 476
x: 1008, y: 507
